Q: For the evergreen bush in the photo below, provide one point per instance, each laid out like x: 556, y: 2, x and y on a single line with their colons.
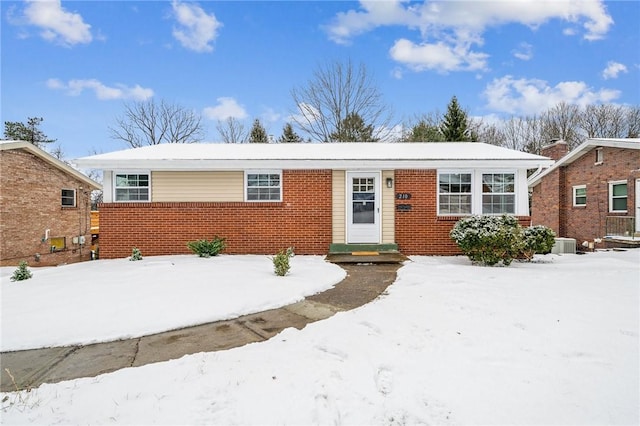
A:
x: 136, y: 254
x: 489, y: 239
x: 538, y: 239
x: 281, y: 264
x: 22, y: 273
x: 205, y: 248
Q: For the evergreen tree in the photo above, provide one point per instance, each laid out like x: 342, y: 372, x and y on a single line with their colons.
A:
x: 289, y: 135
x: 258, y: 134
x: 353, y: 129
x: 455, y: 123
x: 26, y: 132
x: 424, y: 132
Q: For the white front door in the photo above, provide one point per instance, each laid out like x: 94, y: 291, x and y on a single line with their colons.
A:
x: 637, y: 205
x: 363, y: 207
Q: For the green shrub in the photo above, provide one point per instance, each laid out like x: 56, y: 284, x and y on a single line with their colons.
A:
x: 22, y: 273
x: 205, y: 248
x: 538, y: 239
x: 489, y: 239
x: 281, y: 261
x: 136, y: 254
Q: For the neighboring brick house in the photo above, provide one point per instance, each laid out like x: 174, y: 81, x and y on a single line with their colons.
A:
x: 590, y: 193
x: 265, y: 197
x: 44, y: 208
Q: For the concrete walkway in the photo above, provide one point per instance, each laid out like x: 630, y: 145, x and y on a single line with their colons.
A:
x: 31, y: 368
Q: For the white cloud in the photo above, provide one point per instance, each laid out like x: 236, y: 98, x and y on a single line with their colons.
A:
x: 613, y: 69
x: 226, y: 108
x: 450, y: 29
x: 524, y: 51
x: 438, y: 56
x: 56, y: 23
x: 532, y: 96
x: 196, y: 30
x: 102, y: 92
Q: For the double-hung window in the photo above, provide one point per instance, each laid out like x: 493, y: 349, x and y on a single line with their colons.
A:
x: 498, y: 193
x: 618, y: 196
x: 131, y: 187
x: 68, y: 197
x: 454, y: 193
x: 579, y: 195
x: 263, y: 186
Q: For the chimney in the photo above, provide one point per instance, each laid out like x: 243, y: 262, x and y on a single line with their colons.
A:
x: 556, y: 149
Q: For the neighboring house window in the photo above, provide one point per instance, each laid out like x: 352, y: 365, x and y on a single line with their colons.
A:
x: 131, y: 187
x: 618, y: 196
x: 498, y: 193
x: 454, y: 193
x: 68, y: 197
x: 579, y: 195
x: 599, y: 156
x: 263, y: 186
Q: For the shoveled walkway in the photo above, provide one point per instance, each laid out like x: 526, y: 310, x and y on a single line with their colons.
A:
x: 31, y: 368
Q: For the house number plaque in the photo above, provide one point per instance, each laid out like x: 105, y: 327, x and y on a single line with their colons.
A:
x: 403, y: 207
x: 403, y: 196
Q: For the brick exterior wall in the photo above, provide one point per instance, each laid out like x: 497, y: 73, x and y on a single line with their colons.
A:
x: 420, y: 231
x: 30, y: 203
x: 552, y: 201
x: 301, y: 220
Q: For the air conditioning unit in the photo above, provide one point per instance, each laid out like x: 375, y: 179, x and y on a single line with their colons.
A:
x: 564, y: 245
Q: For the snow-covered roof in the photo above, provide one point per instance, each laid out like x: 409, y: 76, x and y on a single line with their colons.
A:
x: 221, y: 156
x: 586, y: 146
x: 6, y: 145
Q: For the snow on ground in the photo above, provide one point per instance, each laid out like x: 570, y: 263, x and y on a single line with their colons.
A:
x: 107, y: 300
x: 550, y: 342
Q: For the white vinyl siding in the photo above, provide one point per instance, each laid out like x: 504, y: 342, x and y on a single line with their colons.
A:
x: 198, y: 186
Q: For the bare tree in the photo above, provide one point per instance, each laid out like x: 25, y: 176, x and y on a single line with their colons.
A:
x: 337, y: 91
x: 231, y: 131
x: 633, y: 122
x: 562, y: 122
x: 151, y: 123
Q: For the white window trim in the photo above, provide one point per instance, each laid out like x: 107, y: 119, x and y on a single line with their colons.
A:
x: 481, y: 192
x: 599, y: 156
x: 576, y: 187
x: 257, y: 172
x: 75, y: 198
x: 456, y: 172
x: 476, y: 190
x: 129, y: 172
x: 611, y: 184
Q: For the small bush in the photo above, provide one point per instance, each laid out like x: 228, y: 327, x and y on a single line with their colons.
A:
x: 281, y: 262
x: 22, y: 273
x: 489, y: 239
x: 538, y: 239
x: 136, y: 254
x: 205, y: 248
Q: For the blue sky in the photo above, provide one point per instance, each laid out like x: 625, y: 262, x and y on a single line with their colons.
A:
x: 75, y: 63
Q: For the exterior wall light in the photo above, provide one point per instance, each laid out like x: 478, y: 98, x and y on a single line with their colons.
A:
x: 389, y: 182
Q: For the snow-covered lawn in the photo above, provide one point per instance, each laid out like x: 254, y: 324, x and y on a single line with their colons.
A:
x: 108, y: 300
x: 551, y: 342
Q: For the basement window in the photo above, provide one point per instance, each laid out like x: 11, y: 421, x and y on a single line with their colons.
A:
x: 58, y: 243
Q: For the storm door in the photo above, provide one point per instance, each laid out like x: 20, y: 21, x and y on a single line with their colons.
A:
x: 363, y: 207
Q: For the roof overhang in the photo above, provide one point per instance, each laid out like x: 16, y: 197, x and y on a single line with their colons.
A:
x: 582, y: 149
x: 352, y: 156
x: 29, y: 147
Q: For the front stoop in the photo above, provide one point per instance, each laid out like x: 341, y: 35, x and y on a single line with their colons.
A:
x: 365, y: 253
